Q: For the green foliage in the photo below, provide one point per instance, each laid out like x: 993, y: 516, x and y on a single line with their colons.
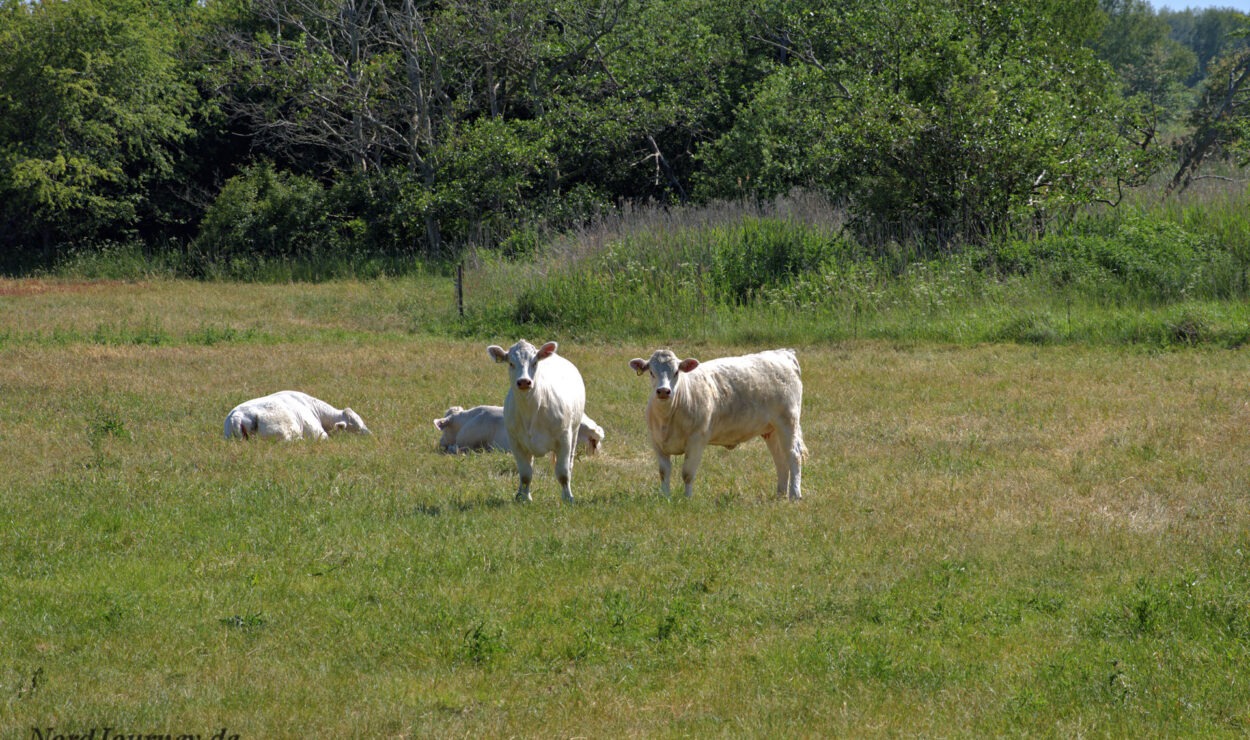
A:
x: 94, y: 107
x: 276, y: 225
x: 765, y: 253
x: 1012, y: 119
x: 654, y: 279
x: 490, y: 171
x: 1137, y: 43
x: 1028, y: 329
x: 434, y: 129
x: 1148, y: 277
x: 1150, y: 259
x: 120, y: 261
x: 1210, y: 34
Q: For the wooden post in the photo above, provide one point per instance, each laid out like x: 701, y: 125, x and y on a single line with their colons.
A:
x: 460, y: 288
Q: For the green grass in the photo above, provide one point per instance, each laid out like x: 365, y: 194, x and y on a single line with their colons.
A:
x: 996, y: 539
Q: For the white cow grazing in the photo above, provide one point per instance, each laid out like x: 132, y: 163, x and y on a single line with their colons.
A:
x: 545, y: 403
x: 290, y: 415
x: 725, y: 402
x: 482, y: 428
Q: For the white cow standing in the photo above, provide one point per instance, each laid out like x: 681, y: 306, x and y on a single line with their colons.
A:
x: 483, y: 428
x: 725, y: 402
x: 545, y: 403
x: 290, y: 415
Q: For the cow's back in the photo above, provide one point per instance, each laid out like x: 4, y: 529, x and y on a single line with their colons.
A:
x: 483, y: 428
x: 739, y: 398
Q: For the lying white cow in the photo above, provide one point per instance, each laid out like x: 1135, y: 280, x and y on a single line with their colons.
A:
x: 478, y: 428
x: 482, y: 428
x: 725, y: 402
x: 545, y: 403
x: 290, y: 415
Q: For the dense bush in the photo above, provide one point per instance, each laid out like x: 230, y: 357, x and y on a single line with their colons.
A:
x: 267, y: 213
x: 670, y: 275
x: 765, y: 253
x: 1131, y: 256
x: 265, y: 218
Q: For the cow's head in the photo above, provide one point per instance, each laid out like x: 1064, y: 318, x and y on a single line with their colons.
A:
x: 589, y: 435
x: 449, y: 425
x: 352, y: 422
x: 522, y: 359
x: 663, y: 367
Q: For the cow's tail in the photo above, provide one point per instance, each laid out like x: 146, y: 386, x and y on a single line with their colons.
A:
x: 237, y: 426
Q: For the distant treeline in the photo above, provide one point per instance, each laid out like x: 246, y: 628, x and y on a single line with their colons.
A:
x: 221, y: 135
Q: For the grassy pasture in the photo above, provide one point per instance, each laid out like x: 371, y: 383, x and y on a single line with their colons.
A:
x: 995, y: 539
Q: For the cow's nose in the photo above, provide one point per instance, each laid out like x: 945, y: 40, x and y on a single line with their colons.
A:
x: 524, y: 384
x: 662, y: 392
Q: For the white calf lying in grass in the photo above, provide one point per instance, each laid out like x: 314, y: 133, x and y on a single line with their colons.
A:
x: 483, y: 428
x: 290, y: 415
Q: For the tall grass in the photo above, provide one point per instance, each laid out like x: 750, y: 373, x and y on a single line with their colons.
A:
x: 1160, y: 273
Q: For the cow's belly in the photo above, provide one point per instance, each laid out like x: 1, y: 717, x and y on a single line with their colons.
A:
x: 540, y: 441
x: 733, y: 435
x: 673, y: 447
x: 727, y: 436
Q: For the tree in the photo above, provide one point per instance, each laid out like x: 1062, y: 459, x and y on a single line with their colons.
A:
x: 947, y: 121
x: 91, y: 112
x: 1221, y: 119
x: 1151, y: 64
x: 469, y: 116
x: 428, y: 101
x: 1209, y: 34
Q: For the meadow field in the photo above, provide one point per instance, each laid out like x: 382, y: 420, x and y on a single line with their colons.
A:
x: 1004, y: 538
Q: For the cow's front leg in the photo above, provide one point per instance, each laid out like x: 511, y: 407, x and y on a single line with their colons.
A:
x: 690, y: 464
x: 666, y: 472
x: 524, y: 469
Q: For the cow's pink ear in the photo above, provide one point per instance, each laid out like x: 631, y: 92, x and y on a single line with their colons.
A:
x: 497, y: 353
x: 547, y: 350
x: 639, y: 365
x: 688, y: 365
x: 440, y: 423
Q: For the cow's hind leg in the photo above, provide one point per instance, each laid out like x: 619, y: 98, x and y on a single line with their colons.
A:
x: 795, y: 452
x: 564, y: 464
x: 780, y: 459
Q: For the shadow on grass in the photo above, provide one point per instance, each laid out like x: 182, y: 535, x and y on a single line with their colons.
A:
x: 460, y: 507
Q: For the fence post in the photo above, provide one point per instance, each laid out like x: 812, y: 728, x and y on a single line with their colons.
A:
x: 460, y: 288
